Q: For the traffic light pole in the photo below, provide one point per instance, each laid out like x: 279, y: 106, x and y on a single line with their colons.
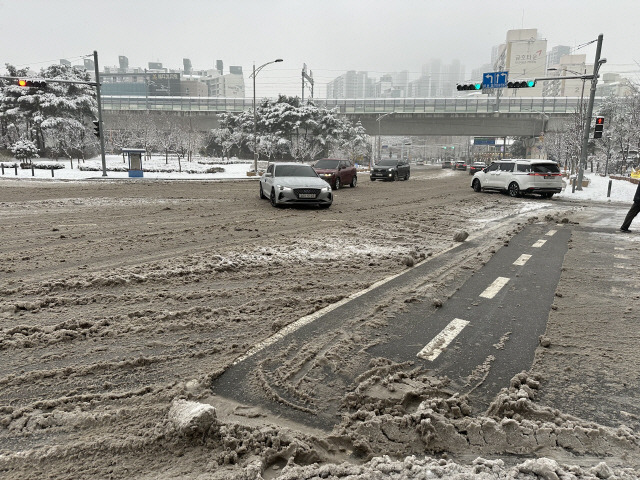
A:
x: 587, y: 123
x: 104, y: 161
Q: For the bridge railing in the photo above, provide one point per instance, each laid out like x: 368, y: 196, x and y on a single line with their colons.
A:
x: 548, y: 105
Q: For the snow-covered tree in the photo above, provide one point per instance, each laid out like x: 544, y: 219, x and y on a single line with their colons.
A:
x: 36, y: 112
x: 24, y: 150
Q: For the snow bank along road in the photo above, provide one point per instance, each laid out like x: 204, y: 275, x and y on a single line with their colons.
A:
x: 120, y: 300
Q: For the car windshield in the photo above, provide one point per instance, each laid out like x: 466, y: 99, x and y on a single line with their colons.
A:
x: 327, y: 164
x: 545, y: 168
x: 388, y: 163
x: 295, y: 171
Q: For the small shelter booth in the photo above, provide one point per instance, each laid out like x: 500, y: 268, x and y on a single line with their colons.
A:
x: 135, y: 160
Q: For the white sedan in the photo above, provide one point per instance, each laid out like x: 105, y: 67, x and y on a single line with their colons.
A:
x: 294, y: 184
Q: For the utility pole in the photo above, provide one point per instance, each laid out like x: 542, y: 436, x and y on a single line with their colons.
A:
x: 104, y: 162
x: 308, y: 78
x: 587, y: 122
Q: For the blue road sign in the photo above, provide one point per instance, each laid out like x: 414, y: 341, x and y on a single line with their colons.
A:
x: 495, y: 80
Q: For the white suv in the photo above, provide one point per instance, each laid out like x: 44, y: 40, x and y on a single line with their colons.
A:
x: 519, y: 176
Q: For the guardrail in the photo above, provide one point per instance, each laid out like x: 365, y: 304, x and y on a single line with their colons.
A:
x: 533, y: 105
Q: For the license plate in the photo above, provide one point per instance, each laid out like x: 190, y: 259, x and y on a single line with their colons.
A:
x: 547, y: 177
x: 307, y: 195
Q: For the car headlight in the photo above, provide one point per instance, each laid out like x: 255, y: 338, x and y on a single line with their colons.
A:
x: 283, y: 188
x: 326, y: 189
x: 391, y: 169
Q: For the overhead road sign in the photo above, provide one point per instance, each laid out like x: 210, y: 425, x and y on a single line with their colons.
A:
x: 495, y: 79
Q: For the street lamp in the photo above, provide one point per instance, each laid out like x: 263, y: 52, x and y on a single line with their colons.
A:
x: 379, y: 137
x: 255, y: 115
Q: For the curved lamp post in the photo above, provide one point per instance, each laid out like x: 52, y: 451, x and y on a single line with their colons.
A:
x: 255, y: 115
x: 379, y: 137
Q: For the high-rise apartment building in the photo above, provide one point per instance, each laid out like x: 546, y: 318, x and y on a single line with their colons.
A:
x: 351, y: 85
x: 440, y: 79
x: 525, y: 58
x: 556, y: 53
x: 567, y: 65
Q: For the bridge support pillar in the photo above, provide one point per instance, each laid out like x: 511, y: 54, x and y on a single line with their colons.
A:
x: 535, y: 147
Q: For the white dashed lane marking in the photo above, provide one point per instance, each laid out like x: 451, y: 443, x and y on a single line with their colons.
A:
x: 441, y: 341
x: 550, y: 233
x: 539, y: 243
x: 522, y: 259
x: 495, y: 287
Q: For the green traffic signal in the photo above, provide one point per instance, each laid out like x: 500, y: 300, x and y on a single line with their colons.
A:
x: 469, y: 86
x: 522, y: 84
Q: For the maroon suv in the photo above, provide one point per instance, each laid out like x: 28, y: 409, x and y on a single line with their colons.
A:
x: 336, y: 172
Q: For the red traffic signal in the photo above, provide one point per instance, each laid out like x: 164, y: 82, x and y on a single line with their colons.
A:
x: 32, y: 83
x: 599, y: 127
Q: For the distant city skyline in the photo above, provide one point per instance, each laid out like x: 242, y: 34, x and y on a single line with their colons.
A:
x: 331, y: 37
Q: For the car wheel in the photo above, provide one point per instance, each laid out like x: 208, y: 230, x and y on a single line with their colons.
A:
x: 262, y: 195
x: 514, y: 190
x: 476, y: 185
x: 354, y: 182
x: 406, y: 177
x: 272, y: 198
x: 373, y: 179
x: 547, y: 195
x: 337, y: 184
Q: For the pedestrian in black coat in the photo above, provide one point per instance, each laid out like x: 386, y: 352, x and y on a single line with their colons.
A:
x: 633, y: 211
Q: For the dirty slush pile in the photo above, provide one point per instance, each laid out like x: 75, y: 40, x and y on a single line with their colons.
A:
x: 108, y: 359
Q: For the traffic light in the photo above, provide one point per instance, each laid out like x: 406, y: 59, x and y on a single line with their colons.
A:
x: 96, y: 128
x: 522, y: 84
x: 597, y: 130
x: 469, y: 86
x: 32, y: 83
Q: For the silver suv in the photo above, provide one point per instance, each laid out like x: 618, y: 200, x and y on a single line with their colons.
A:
x: 519, y: 177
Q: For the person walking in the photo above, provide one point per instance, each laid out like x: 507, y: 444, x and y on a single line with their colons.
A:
x: 633, y: 211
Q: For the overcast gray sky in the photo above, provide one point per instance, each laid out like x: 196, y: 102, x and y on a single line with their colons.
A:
x: 330, y: 36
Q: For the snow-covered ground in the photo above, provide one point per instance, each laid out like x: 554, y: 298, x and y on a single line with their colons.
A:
x: 622, y: 191
x: 156, y: 167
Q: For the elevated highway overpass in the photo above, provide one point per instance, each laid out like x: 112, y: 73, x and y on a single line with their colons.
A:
x: 473, y: 116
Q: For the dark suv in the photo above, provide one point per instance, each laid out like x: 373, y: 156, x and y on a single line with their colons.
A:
x: 389, y: 169
x: 336, y: 172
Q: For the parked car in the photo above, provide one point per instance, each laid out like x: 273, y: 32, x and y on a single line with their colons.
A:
x: 476, y: 167
x: 520, y: 176
x: 294, y: 184
x: 389, y: 169
x: 460, y: 165
x: 336, y: 172
x: 446, y: 164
